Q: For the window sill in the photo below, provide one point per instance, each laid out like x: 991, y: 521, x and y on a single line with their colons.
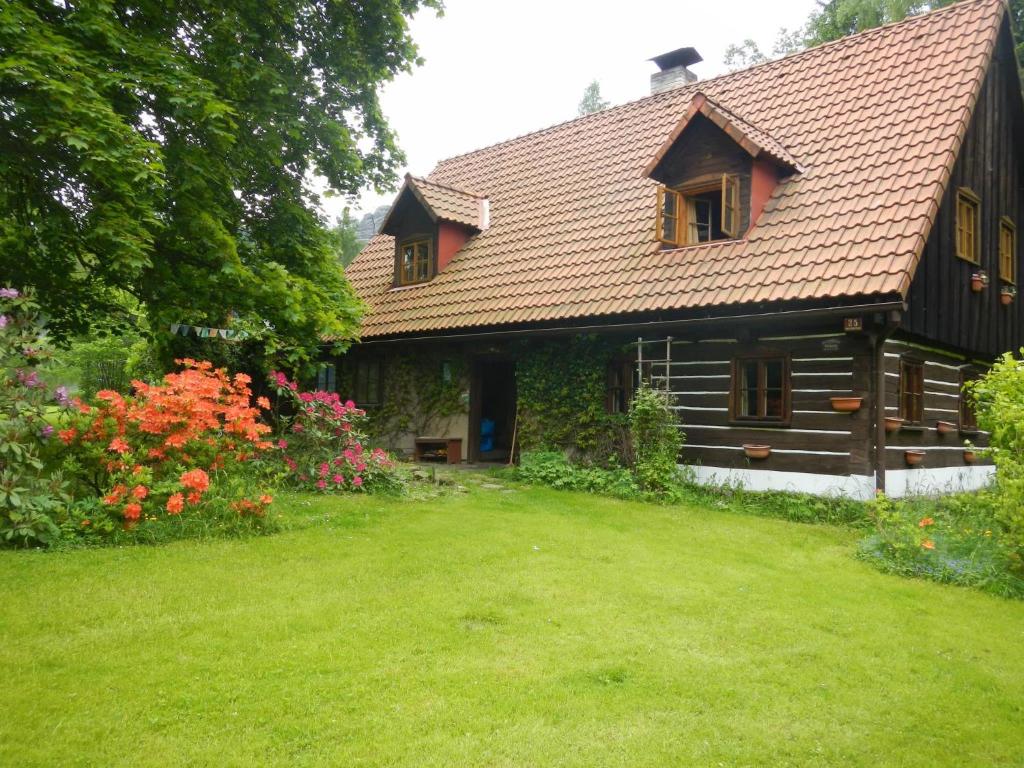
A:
x: 751, y: 423
x: 396, y: 288
x: 913, y: 428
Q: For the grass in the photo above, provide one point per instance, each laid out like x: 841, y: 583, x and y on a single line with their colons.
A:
x: 505, y: 628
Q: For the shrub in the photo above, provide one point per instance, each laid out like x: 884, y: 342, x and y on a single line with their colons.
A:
x: 324, y: 444
x: 656, y: 442
x: 553, y: 469
x: 31, y: 501
x: 950, y: 539
x: 999, y: 404
x: 172, y: 451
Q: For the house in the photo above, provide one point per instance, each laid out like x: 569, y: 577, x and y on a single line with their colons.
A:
x: 811, y: 255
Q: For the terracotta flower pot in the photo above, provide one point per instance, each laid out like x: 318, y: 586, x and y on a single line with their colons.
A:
x: 979, y: 281
x: 757, y: 451
x: 846, y: 404
x: 1007, y: 297
x: 913, y: 458
x: 893, y: 423
x: 970, y: 456
x: 945, y: 427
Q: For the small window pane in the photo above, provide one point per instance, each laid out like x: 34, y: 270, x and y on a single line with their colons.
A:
x: 773, y: 389
x: 748, y: 388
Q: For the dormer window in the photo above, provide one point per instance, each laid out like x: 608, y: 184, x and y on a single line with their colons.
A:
x: 716, y: 173
x: 700, y: 213
x: 430, y: 223
x: 415, y: 261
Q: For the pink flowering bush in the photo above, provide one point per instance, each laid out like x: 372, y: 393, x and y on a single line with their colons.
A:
x: 323, y: 444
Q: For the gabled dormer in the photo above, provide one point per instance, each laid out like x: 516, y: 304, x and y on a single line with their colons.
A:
x: 716, y: 172
x: 430, y: 223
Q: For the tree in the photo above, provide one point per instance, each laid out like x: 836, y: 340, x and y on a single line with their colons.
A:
x: 746, y: 54
x: 163, y: 150
x: 591, y: 101
x: 345, y: 235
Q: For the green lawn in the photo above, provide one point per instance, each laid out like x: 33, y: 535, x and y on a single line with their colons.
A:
x: 513, y: 628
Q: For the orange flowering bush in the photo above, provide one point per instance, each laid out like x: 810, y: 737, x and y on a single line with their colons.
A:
x: 171, y: 448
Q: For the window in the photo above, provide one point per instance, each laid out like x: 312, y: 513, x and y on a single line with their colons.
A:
x: 911, y: 391
x: 414, y: 262
x: 366, y: 383
x: 760, y: 389
x: 1007, y: 251
x: 968, y: 419
x: 326, y: 379
x: 712, y: 212
x: 618, y: 386
x: 967, y: 204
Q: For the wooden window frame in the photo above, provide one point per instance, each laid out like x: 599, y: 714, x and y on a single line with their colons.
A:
x: 968, y: 419
x: 1008, y: 260
x: 970, y: 253
x: 624, y: 368
x: 673, y: 237
x: 356, y: 383
x: 681, y: 235
x: 735, y: 417
x: 907, y: 366
x: 414, y: 241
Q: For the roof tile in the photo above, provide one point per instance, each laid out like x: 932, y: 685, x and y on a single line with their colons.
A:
x: 875, y: 121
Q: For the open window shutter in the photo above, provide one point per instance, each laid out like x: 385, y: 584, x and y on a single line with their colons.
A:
x: 668, y: 216
x: 730, y: 205
x: 659, y: 227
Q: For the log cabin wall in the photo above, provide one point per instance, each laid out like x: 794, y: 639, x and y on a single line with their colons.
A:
x: 941, y: 304
x: 942, y: 398
x: 817, y: 440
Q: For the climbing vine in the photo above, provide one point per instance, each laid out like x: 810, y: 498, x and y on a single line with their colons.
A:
x: 421, y: 390
x: 561, y: 391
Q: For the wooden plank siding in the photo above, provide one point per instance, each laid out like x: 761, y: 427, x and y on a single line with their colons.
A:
x: 941, y: 403
x: 941, y: 305
x: 818, y: 439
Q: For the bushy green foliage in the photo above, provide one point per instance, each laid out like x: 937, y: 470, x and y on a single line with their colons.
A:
x: 108, y: 361
x: 31, y: 500
x: 560, y: 389
x: 950, y: 539
x: 656, y: 440
x: 553, y: 469
x: 999, y: 404
x: 165, y: 149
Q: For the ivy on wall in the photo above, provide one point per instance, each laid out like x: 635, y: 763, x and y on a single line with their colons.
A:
x: 561, y: 391
x: 417, y: 397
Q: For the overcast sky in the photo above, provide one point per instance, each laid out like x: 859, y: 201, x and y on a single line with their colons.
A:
x: 495, y: 70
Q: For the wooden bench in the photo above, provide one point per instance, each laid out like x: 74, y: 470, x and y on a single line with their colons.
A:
x: 438, y: 449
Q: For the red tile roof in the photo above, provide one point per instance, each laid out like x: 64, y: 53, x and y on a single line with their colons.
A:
x: 875, y: 121
x: 443, y: 201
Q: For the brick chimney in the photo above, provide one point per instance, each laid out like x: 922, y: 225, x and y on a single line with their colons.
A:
x: 673, y: 69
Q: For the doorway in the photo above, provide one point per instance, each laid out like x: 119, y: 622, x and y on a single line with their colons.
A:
x: 492, y: 420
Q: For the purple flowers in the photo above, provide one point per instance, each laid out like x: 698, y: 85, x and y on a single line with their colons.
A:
x: 29, y: 379
x: 9, y: 293
x: 3, y: 321
x: 46, y: 431
x: 60, y: 394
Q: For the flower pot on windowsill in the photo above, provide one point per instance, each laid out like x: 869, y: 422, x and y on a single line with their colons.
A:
x: 1007, y: 295
x: 945, y: 427
x: 893, y: 423
x: 846, y: 404
x: 753, y: 451
x: 913, y: 458
x: 979, y: 281
x: 970, y: 456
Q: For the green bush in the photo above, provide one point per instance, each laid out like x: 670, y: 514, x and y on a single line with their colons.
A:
x: 553, y: 469
x: 999, y: 403
x: 782, y: 505
x: 950, y: 539
x: 31, y: 499
x: 656, y: 442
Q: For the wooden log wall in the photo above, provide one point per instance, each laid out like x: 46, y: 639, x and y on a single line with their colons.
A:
x: 819, y: 439
x: 941, y: 403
